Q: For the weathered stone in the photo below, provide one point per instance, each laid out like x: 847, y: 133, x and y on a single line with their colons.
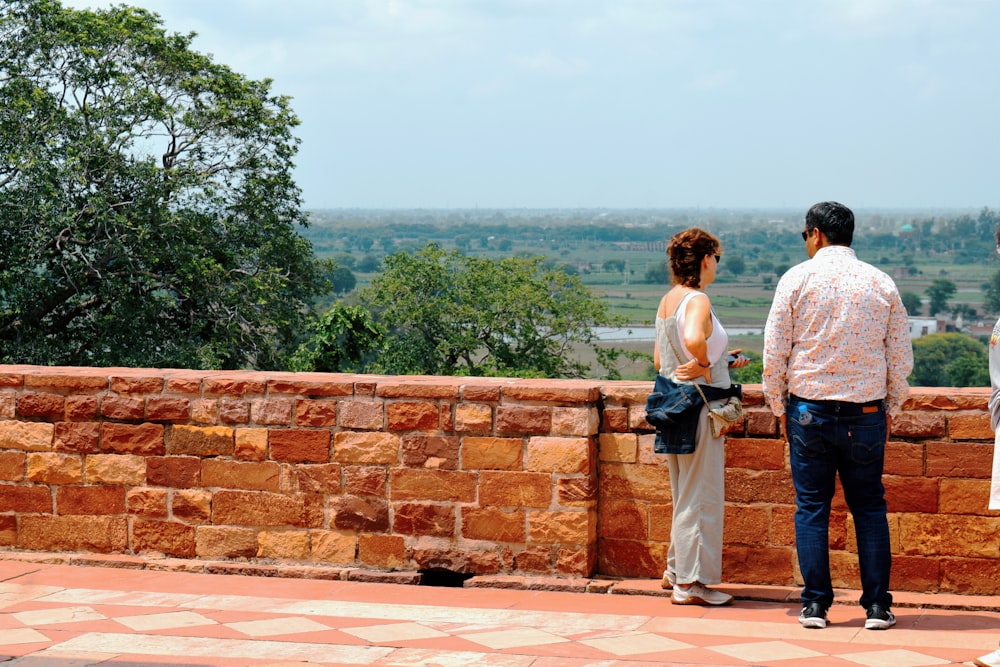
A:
x: 333, y: 547
x: 559, y: 455
x: 316, y: 413
x: 147, y: 502
x: 192, y: 505
x: 493, y: 524
x: 288, y: 544
x: 473, y: 418
x: 365, y: 447
x: 366, y: 481
x: 492, y: 453
x: 424, y: 519
x: 43, y: 406
x: 93, y: 500
x: 515, y: 489
x: 201, y: 440
x: 565, y: 528
x: 250, y: 444
x: 101, y: 534
x: 143, y: 439
x: 225, y: 542
x: 298, y: 445
x: 384, y: 551
x: 618, y: 447
x: 115, y: 469
x: 438, y: 452
x: 360, y: 514
x: 412, y: 416
x: 175, y: 471
x: 523, y: 420
x: 27, y: 436
x: 123, y: 408
x: 166, y: 537
x: 367, y: 415
x: 50, y: 468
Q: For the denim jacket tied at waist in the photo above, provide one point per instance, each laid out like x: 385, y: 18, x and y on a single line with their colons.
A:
x: 673, y: 409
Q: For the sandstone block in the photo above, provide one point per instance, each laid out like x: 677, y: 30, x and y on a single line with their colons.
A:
x: 493, y: 524
x: 12, y: 466
x: 754, y: 565
x: 959, y: 459
x: 167, y: 537
x: 91, y: 500
x: 365, y: 447
x: 970, y: 427
x: 515, y: 489
x: 321, y: 478
x: 101, y: 534
x: 313, y: 413
x: 80, y: 381
x: 432, y: 485
x: 970, y: 576
x: 41, y: 406
x: 201, y: 441
x: 82, y: 408
x: 147, y: 502
x: 366, y: 415
x: 615, y: 420
x: 8, y: 404
x: 473, y: 418
x: 359, y: 514
x: 907, y: 494
x: 234, y: 410
x: 537, y: 559
x: 79, y: 437
x: 523, y: 420
x: 747, y: 526
x: 565, y: 528
x: 631, y: 558
x: 257, y: 508
x: 904, y: 458
x: 964, y: 496
x: 575, y: 562
x: 625, y: 519
x: 424, y: 519
x: 287, y: 544
x: 412, y: 416
x: 661, y: 517
x: 191, y: 505
x: 483, y: 453
x: 296, y: 445
x: 137, y: 384
x: 642, y: 482
x: 177, y: 471
x: 309, y: 384
x: 333, y: 547
x: 225, y: 542
x: 26, y: 436
x: 618, y: 447
x: 205, y: 410
x: 756, y: 454
x: 165, y: 409
x: 439, y: 556
x: 26, y: 499
x: 250, y: 444
x: 122, y: 408
x: 115, y: 469
x: 913, y: 424
x: 560, y: 455
x: 576, y: 491
x: 234, y: 384
x: 383, y: 551
x: 366, y: 481
x: 143, y: 439
x: 580, y: 422
x: 271, y: 411
x: 437, y: 452
x: 51, y: 468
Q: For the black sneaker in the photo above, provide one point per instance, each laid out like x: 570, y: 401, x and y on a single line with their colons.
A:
x: 813, y: 615
x: 879, y: 617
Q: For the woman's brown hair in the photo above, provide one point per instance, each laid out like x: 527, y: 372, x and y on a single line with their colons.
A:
x: 685, y: 252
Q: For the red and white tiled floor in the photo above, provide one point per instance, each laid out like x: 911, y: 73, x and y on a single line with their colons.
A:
x: 71, y: 616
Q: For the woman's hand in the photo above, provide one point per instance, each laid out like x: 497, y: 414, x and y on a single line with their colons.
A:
x: 740, y: 361
x: 692, y: 370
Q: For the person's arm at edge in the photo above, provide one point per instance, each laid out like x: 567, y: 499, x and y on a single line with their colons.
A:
x: 777, y: 348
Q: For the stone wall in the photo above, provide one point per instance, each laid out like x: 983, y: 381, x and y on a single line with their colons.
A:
x: 472, y: 475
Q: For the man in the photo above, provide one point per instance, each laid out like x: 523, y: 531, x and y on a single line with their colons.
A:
x: 836, y: 355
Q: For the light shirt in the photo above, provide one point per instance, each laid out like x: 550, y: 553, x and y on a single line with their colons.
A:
x: 838, y: 331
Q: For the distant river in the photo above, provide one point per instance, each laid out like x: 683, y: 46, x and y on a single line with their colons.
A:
x: 649, y: 333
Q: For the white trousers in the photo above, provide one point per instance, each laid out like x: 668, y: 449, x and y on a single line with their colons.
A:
x: 697, y: 487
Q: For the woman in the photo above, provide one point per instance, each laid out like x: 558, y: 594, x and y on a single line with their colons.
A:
x: 691, y: 347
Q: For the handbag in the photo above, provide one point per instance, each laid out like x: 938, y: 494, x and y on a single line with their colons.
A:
x: 721, y: 417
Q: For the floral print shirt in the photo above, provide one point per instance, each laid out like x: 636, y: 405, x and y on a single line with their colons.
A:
x: 837, y: 330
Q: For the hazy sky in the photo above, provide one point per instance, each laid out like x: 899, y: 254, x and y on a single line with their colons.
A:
x: 624, y: 103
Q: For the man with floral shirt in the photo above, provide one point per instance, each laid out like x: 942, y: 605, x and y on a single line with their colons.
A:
x: 837, y: 353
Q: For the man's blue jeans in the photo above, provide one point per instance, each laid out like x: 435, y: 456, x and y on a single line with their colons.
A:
x: 827, y: 438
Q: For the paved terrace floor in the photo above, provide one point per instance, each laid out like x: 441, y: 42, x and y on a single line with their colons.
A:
x: 59, y: 614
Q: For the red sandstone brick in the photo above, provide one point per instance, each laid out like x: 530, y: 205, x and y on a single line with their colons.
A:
x: 191, y: 505
x: 167, y: 537
x: 912, y: 424
x: 412, y: 416
x: 970, y: 427
x: 958, y: 459
x: 235, y: 384
x: 469, y: 561
x: 756, y: 454
x: 426, y: 388
x: 283, y: 544
x: 75, y: 381
x: 41, y: 406
x: 566, y: 528
x: 535, y: 559
x: 904, y: 459
x: 473, y: 418
x: 299, y: 445
x: 560, y: 455
x: 642, y: 482
x: 432, y: 485
x: 552, y: 391
x: 123, y: 408
x: 147, y: 502
x: 747, y: 526
x: 575, y: 562
x: 631, y: 558
x: 970, y: 576
x: 205, y: 410
x: 316, y: 413
x: 625, y: 519
x: 763, y: 486
x: 366, y: 415
x: 272, y: 411
x: 78, y: 437
x: 137, y: 385
x: 365, y: 480
x: 12, y: 466
x: 240, y: 474
x: 50, y: 468
x: 234, y: 411
x: 333, y: 547
x: 225, y: 542
x: 783, y: 526
x: 576, y: 491
x: 906, y: 494
x: 493, y: 524
x: 143, y: 439
x: 424, y: 519
x: 301, y: 384
x: 915, y: 573
x: 366, y: 447
x: 964, y: 496
x: 8, y: 530
x: 383, y: 551
x: 615, y: 420
x: 175, y: 471
x: 322, y: 478
x: 90, y: 500
x: 15, y: 380
x: 201, y: 441
x: 365, y: 514
x: 515, y: 489
x: 26, y: 499
x: 438, y: 452
x: 479, y: 393
x: 523, y: 420
x: 82, y: 408
x: 167, y: 409
x: 8, y: 405
x: 755, y: 565
x: 491, y: 453
x: 660, y: 521
x: 761, y: 422
x: 257, y: 508
x: 101, y: 534
x: 183, y: 384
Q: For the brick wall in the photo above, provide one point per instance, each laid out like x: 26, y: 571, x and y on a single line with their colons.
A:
x: 476, y: 475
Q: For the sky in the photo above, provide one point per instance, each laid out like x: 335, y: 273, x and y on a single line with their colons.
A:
x: 623, y: 104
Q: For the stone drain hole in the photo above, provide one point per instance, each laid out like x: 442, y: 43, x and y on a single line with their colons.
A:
x: 439, y: 576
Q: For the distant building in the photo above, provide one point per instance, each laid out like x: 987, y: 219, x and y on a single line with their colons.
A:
x: 924, y: 326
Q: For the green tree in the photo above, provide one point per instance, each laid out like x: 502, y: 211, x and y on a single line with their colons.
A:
x: 912, y: 302
x: 344, y: 340
x: 735, y: 264
x: 147, y: 211
x: 658, y: 273
x: 949, y: 360
x: 446, y: 313
x: 343, y: 280
x: 939, y: 292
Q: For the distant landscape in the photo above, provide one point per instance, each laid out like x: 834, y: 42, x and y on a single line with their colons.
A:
x: 620, y: 254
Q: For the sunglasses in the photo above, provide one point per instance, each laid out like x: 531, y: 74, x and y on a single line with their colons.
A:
x: 718, y: 258
x: 805, y: 234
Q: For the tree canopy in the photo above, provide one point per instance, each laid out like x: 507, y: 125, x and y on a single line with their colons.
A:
x: 147, y: 211
x: 445, y: 313
x: 949, y: 360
